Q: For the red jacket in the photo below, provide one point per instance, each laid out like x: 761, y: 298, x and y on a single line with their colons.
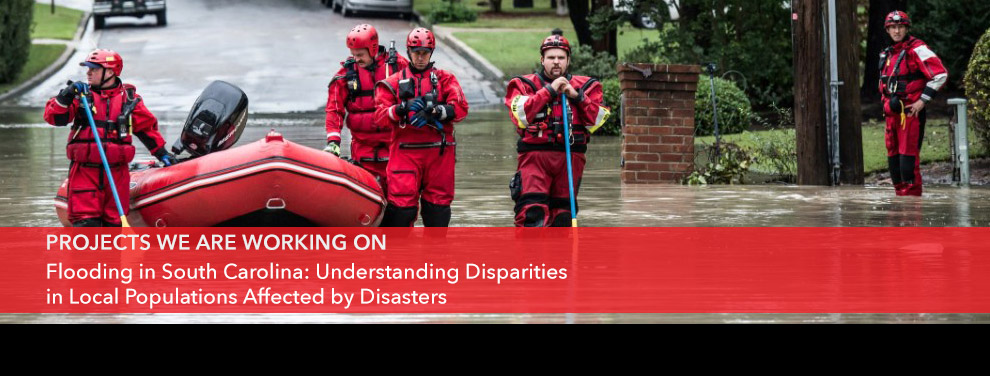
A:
x: 351, y: 92
x: 537, y: 113
x: 911, y: 71
x: 448, y: 92
x: 114, y: 130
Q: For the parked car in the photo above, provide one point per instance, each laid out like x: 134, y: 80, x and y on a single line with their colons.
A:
x: 640, y: 19
x: 127, y: 8
x: 348, y: 8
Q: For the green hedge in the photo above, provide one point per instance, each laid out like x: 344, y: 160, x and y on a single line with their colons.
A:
x: 734, y: 110
x: 447, y: 12
x: 977, y: 82
x: 15, y: 36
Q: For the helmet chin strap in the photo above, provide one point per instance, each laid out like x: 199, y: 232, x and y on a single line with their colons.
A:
x: 103, y: 82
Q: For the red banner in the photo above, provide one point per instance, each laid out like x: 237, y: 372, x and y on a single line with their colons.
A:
x: 497, y: 270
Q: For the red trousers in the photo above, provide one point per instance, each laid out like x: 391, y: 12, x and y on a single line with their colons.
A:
x: 421, y: 172
x: 90, y: 196
x: 372, y: 157
x: 543, y: 199
x: 903, y: 137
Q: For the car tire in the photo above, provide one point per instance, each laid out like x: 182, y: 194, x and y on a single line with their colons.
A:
x: 336, y: 6
x: 344, y: 10
x: 99, y: 22
x: 645, y: 22
x: 160, y: 16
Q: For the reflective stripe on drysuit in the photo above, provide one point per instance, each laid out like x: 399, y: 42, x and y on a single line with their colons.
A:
x: 118, y: 113
x: 540, y: 187
x: 909, y: 72
x: 421, y: 163
x: 351, y: 99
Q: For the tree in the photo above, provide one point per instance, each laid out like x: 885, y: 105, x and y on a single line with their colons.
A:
x: 809, y: 93
x: 850, y: 111
x: 15, y: 36
x: 751, y: 38
x: 605, y: 40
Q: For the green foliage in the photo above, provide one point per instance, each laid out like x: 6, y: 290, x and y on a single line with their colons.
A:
x: 668, y: 48
x: 978, y: 89
x: 752, y: 37
x: 776, y: 151
x: 15, y: 36
x: 730, y: 167
x: 951, y: 28
x: 610, y: 97
x: 734, y: 110
x: 587, y: 62
x: 446, y: 12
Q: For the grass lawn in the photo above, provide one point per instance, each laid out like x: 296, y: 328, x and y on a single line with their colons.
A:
x: 61, y: 25
x: 539, y: 6
x: 517, y: 52
x: 40, y: 57
x: 935, y: 148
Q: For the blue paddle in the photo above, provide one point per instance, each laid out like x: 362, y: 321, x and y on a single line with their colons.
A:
x: 83, y: 90
x: 567, y: 150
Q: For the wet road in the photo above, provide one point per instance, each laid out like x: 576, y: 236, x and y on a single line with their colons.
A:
x: 282, y: 53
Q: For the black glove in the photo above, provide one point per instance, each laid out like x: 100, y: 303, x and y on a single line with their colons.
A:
x: 402, y: 109
x: 443, y: 112
x: 165, y: 157
x: 67, y: 94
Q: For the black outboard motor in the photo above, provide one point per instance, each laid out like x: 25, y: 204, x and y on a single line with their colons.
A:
x: 215, y: 121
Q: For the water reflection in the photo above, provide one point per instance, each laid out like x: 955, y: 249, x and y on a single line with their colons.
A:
x: 35, y: 166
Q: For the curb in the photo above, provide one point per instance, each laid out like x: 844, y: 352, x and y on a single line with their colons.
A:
x: 70, y: 48
x: 487, y: 69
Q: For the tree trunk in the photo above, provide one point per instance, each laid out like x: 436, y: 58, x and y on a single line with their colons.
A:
x: 561, y: 8
x: 579, y: 17
x: 876, y: 40
x: 809, y: 92
x: 850, y: 114
x: 610, y: 41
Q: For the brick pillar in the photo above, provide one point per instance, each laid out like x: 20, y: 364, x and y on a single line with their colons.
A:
x: 658, y: 111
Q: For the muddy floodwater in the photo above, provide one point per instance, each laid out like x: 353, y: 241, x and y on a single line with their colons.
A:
x: 35, y: 165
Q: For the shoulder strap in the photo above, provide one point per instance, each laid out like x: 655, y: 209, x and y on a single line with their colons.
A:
x: 526, y: 81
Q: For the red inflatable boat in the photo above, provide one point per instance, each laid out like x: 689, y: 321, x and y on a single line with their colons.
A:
x: 271, y: 182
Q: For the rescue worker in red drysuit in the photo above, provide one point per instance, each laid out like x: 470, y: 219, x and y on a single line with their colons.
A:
x: 540, y: 188
x: 420, y: 104
x: 119, y: 113
x: 351, y: 96
x: 910, y: 76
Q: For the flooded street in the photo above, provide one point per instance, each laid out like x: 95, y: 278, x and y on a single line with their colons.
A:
x: 35, y: 166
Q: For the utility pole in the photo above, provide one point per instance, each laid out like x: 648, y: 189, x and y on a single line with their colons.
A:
x: 809, y: 92
x: 850, y: 109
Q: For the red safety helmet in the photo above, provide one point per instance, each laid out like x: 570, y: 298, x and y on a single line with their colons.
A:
x: 108, y: 59
x: 363, y: 36
x: 556, y: 40
x: 897, y: 18
x: 421, y: 37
